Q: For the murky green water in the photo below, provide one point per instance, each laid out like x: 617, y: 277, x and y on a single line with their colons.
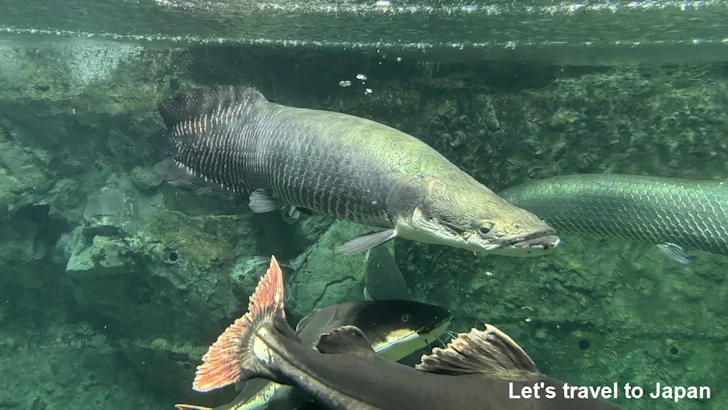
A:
x: 113, y: 284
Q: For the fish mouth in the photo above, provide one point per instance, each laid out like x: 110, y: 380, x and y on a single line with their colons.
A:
x: 531, y: 243
x: 444, y: 323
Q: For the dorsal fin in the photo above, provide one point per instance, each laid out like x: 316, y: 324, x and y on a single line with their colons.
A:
x: 488, y: 351
x: 346, y: 339
x: 206, y: 139
x: 204, y: 101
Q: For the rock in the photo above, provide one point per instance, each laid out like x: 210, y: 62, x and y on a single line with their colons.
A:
x: 323, y: 277
x: 107, y: 211
x: 106, y: 202
x: 145, y: 179
x: 245, y: 276
x: 8, y: 343
x: 103, y: 256
x: 156, y: 269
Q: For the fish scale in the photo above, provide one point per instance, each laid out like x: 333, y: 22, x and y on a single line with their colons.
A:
x: 656, y: 210
x: 230, y: 142
x: 303, y: 179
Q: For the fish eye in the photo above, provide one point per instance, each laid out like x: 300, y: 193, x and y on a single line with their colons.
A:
x: 406, y: 317
x: 485, y: 228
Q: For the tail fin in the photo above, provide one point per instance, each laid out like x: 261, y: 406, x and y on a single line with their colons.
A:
x: 231, y: 358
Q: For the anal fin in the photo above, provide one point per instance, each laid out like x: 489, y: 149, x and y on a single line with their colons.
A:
x: 177, y: 175
x: 365, y: 242
x: 346, y: 339
x: 675, y: 253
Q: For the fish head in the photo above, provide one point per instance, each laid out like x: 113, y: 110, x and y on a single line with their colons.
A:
x: 396, y: 328
x: 471, y: 216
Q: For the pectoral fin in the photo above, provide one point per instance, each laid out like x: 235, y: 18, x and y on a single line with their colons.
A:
x: 346, y: 339
x: 365, y: 242
x: 675, y: 253
x: 367, y: 296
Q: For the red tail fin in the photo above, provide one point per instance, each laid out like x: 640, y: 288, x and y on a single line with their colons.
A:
x: 230, y: 358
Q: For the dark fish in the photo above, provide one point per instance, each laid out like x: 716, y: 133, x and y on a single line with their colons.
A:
x: 395, y: 328
x: 674, y: 214
x: 382, y: 278
x: 478, y: 370
x: 232, y: 143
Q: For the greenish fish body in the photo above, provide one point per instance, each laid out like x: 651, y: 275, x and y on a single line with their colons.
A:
x: 233, y: 143
x: 689, y: 214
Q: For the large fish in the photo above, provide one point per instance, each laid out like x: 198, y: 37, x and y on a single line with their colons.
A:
x: 674, y: 214
x: 478, y: 370
x: 233, y: 143
x: 395, y: 328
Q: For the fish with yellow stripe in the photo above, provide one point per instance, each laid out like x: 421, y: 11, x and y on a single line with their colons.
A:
x: 396, y: 328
